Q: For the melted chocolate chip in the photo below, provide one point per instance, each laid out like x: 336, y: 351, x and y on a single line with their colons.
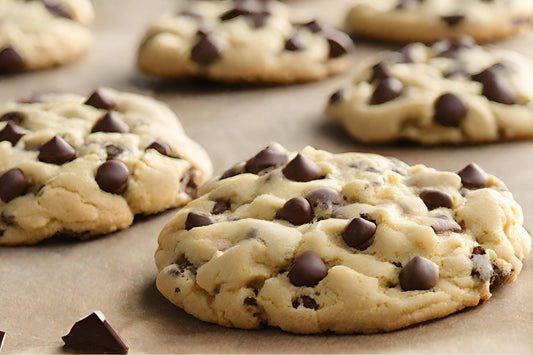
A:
x: 294, y: 43
x: 99, y: 100
x: 206, y: 51
x: 473, y: 177
x: 302, y: 169
x: 386, y: 90
x: 14, y: 116
x: 359, y: 233
x: 12, y: 184
x: 324, y: 198
x: 337, y: 96
x: 221, y: 206
x: 419, y: 274
x: 110, y: 123
x: 11, y: 133
x: 449, y: 110
x: 197, y: 219
x: 339, y: 43
x: 308, y: 269
x: 435, y: 199
x: 112, y: 176
x: 380, y: 71
x: 56, y: 151
x: 453, y: 20
x: 268, y: 157
x: 11, y: 60
x: 162, y: 147
x: 297, y: 211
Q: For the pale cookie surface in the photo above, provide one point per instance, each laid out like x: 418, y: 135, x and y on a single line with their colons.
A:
x: 242, y: 42
x: 81, y: 166
x: 348, y: 243
x: 451, y: 92
x: 428, y: 20
x: 38, y: 34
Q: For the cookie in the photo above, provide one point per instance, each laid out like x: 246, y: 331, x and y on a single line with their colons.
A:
x: 38, y: 34
x: 81, y: 166
x: 237, y: 41
x: 428, y: 20
x: 314, y: 242
x: 452, y: 92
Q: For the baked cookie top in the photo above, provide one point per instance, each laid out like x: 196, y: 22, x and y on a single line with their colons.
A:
x: 82, y: 166
x: 428, y: 20
x: 242, y: 41
x: 314, y: 241
x: 37, y: 34
x: 453, y: 91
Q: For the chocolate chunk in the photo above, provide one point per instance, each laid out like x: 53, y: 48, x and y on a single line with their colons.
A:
x: 234, y: 170
x: 359, y: 233
x: 99, y: 100
x: 94, y: 334
x: 435, y: 199
x: 337, y: 96
x: 197, y: 219
x: 12, y: 184
x: 473, y: 177
x: 221, y: 206
x: 110, y: 123
x: 206, y: 51
x: 268, y: 157
x: 294, y: 43
x: 14, y: 116
x: 113, y: 150
x: 162, y: 147
x: 308, y: 269
x: 449, y: 110
x: 56, y: 151
x: 453, y: 20
x: 339, y: 43
x: 324, y: 198
x: 11, y: 60
x: 302, y: 169
x: 11, y: 133
x: 386, y: 90
x: 297, y: 211
x: 2, y: 334
x: 380, y: 71
x: 314, y: 26
x: 443, y: 224
x: 419, y: 274
x: 112, y: 176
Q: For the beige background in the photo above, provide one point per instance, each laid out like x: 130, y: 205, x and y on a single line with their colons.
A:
x: 45, y: 288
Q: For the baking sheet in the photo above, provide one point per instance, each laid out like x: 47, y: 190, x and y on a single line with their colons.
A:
x: 44, y: 289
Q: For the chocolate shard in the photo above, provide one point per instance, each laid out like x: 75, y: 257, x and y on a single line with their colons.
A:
x: 94, y: 334
x: 11, y: 60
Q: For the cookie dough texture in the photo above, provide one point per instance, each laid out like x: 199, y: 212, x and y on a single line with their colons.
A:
x: 428, y: 20
x: 37, y: 34
x: 234, y: 257
x: 451, y: 92
x: 242, y: 41
x: 88, y: 167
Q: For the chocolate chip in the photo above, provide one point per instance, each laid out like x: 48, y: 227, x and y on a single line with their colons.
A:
x: 478, y: 250
x: 12, y: 184
x: 499, y: 91
x: 336, y: 97
x: 11, y: 60
x: 309, y: 302
x: 14, y: 116
x: 324, y: 198
x: 453, y: 20
x: 443, y: 224
x: 94, y: 334
x: 112, y: 176
x: 499, y: 276
x: 162, y: 147
x: 221, y: 206
x: 110, y: 123
x: 57, y: 9
x: 11, y: 133
x: 489, y: 73
x: 255, y: 16
x: 56, y: 151
x: 339, y: 43
x: 419, y: 274
x: 197, y: 219
x: 473, y: 177
x: 314, y: 26
x: 380, y: 71
x: 308, y: 269
x: 99, y: 100
x: 359, y: 233
x: 435, y: 199
x: 234, y: 170
x: 302, y: 169
x: 2, y: 334
x: 294, y: 43
x: 113, y: 150
x: 449, y: 110
x: 404, y: 55
x: 188, y: 182
x: 250, y: 301
x: 451, y: 48
x: 297, y: 211
x: 206, y: 51
x: 386, y: 90
x: 271, y: 156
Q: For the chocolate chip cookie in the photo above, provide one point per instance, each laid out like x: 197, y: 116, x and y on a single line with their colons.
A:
x: 82, y: 166
x: 453, y: 91
x: 313, y: 242
x: 242, y: 41
x: 428, y: 20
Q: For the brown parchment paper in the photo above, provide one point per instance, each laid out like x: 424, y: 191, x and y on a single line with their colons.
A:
x: 44, y: 289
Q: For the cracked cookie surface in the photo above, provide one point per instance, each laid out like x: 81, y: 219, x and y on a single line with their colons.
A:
x: 237, y: 41
x: 314, y: 242
x: 451, y: 92
x: 82, y: 166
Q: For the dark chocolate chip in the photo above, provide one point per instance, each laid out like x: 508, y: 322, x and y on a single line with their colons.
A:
x: 473, y: 177
x: 435, y: 199
x: 494, y: 87
x: 113, y: 150
x: 206, y: 51
x: 255, y: 15
x: 197, y: 219
x: 337, y: 96
x: 250, y: 301
x: 162, y: 147
x: 268, y: 157
x: 380, y: 71
x: 309, y: 302
x: 489, y: 73
x: 14, y: 116
x: 110, y: 123
x: 386, y: 90
x: 359, y: 233
x: 297, y: 211
x: 11, y: 133
x: 449, y: 110
x: 478, y: 250
x: 12, y: 184
x: 294, y: 43
x: 234, y: 170
x: 11, y: 60
x: 56, y: 151
x: 57, y: 9
x: 2, y: 334
x: 314, y: 26
x: 221, y: 206
x: 499, y: 276
x: 453, y: 20
x: 308, y: 269
x: 419, y: 274
x: 188, y: 182
x: 451, y: 48
x: 302, y: 169
x: 94, y: 334
x: 324, y: 198
x: 339, y: 43
x: 112, y: 176
x: 99, y: 100
x: 443, y: 224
